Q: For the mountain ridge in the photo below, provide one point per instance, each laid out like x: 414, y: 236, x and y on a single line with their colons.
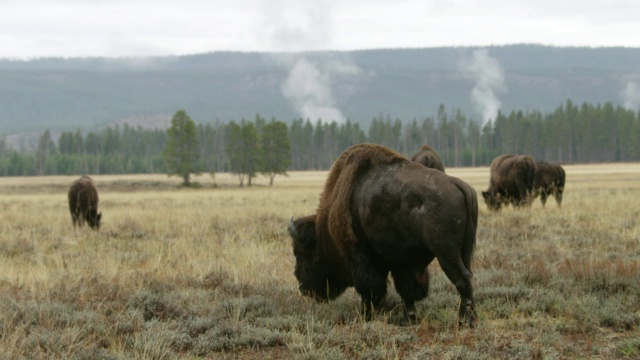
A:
x: 91, y: 93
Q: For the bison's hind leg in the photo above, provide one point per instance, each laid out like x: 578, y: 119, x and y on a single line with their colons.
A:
x: 558, y: 196
x: 460, y: 276
x: 75, y: 217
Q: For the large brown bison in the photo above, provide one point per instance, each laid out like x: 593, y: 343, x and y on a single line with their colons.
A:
x: 511, y: 181
x: 83, y: 203
x: 428, y: 157
x: 548, y: 180
x: 379, y: 212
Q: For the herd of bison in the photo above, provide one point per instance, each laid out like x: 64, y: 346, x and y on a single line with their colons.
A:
x: 380, y: 212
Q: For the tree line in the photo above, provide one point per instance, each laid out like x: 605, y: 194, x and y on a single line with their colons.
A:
x: 585, y: 134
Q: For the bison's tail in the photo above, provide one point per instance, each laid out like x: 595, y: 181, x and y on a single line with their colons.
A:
x: 469, y: 244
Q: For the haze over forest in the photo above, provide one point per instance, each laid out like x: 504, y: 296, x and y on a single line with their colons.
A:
x: 91, y: 93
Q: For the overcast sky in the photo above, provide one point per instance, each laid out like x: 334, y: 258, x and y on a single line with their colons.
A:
x: 117, y: 28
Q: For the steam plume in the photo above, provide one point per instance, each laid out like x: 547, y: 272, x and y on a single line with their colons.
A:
x: 309, y: 87
x: 312, y: 80
x: 489, y: 79
x: 631, y: 96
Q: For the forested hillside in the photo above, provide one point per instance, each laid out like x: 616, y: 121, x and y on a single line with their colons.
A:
x: 408, y: 84
x: 568, y: 134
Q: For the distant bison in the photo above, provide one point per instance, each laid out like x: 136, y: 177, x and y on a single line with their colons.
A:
x: 548, y: 180
x: 428, y: 157
x: 381, y: 213
x: 511, y: 181
x: 83, y: 203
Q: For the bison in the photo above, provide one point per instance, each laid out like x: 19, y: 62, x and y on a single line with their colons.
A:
x: 428, y: 157
x: 83, y: 203
x: 548, y: 180
x: 511, y: 181
x: 379, y: 212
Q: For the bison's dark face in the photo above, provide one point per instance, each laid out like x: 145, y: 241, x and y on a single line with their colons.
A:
x: 94, y: 219
x: 491, y: 199
x: 310, y: 269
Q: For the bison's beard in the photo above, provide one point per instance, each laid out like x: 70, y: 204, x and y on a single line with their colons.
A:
x: 492, y: 200
x: 94, y: 219
x: 316, y: 293
x: 316, y: 283
x: 321, y: 293
x: 311, y: 281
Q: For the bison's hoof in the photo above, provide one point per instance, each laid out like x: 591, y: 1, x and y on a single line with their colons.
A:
x: 410, y: 319
x: 467, y: 321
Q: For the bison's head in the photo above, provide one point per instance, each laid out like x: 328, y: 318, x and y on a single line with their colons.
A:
x: 312, y: 270
x: 94, y: 219
x: 491, y: 199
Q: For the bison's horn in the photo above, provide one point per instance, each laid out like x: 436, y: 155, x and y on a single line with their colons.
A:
x: 292, y: 229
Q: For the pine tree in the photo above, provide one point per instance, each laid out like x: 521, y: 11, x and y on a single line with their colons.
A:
x: 46, y: 148
x: 244, y: 151
x: 182, y: 151
x: 93, y: 148
x: 235, y: 151
x: 276, y: 149
x: 250, y: 141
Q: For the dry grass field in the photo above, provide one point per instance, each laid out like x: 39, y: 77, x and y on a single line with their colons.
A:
x: 208, y: 273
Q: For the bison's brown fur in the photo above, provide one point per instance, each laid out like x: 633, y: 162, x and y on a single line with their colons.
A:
x: 428, y: 157
x: 511, y: 181
x: 83, y: 203
x: 548, y: 180
x: 380, y: 213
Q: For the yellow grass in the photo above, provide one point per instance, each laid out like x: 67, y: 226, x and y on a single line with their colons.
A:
x: 208, y: 272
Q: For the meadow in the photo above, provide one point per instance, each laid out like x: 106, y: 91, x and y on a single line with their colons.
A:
x: 208, y: 273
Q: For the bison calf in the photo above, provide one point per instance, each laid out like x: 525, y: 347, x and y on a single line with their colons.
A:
x: 549, y: 180
x: 381, y: 213
x: 83, y: 203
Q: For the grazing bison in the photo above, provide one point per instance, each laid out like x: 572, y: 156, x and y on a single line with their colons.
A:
x: 380, y: 212
x: 548, y: 180
x: 511, y: 181
x: 428, y: 157
x: 83, y: 203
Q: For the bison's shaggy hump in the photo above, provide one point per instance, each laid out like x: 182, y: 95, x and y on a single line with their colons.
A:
x: 335, y: 200
x: 83, y: 203
x: 428, y: 157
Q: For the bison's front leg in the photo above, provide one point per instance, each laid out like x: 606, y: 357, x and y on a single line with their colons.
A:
x: 543, y: 197
x: 370, y: 281
x: 412, y: 285
x: 524, y: 194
